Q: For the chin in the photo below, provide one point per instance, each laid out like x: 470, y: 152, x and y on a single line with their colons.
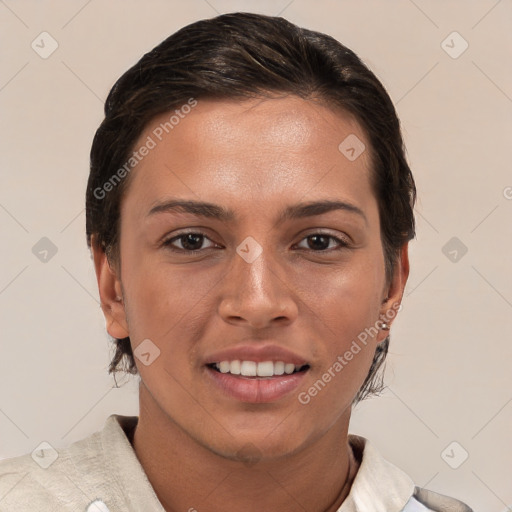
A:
x: 256, y: 451
x: 259, y: 445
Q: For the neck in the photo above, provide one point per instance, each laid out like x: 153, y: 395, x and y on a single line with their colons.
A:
x: 188, y: 476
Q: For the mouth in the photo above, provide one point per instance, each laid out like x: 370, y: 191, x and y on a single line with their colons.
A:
x: 256, y: 381
x: 254, y: 369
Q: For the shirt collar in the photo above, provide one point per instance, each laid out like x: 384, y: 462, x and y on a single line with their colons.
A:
x: 122, y: 461
x: 379, y: 486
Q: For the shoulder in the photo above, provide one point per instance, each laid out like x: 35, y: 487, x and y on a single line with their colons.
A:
x: 60, y: 480
x: 438, y: 502
x: 380, y: 485
x: 24, y: 484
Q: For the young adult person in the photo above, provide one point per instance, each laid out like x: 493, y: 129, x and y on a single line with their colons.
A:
x: 249, y: 209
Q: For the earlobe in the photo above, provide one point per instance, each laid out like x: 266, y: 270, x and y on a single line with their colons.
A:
x: 395, y: 293
x: 109, y: 287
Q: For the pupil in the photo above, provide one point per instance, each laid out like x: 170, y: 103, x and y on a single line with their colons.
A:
x: 188, y: 238
x: 317, y: 238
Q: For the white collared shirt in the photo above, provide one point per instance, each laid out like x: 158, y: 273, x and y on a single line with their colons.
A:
x: 380, y: 486
x: 102, y: 473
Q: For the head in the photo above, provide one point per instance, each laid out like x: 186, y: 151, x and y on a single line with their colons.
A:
x: 254, y: 116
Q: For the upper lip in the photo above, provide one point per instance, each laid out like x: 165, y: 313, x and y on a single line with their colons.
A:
x: 257, y: 353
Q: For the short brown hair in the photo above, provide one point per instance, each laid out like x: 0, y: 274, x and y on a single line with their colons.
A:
x: 246, y: 55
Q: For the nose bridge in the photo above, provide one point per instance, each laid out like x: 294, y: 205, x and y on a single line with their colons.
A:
x: 255, y: 290
x: 252, y: 270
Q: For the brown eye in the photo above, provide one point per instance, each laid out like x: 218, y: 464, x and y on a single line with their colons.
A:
x: 190, y: 242
x: 320, y: 242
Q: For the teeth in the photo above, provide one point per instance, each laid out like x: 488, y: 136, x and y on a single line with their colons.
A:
x: 253, y: 369
x: 234, y: 368
x: 288, y: 368
x: 224, y: 367
x: 279, y: 368
x: 265, y: 369
x: 248, y: 368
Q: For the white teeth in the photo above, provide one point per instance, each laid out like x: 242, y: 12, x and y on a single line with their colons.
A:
x: 253, y: 369
x: 234, y: 368
x: 248, y: 369
x: 265, y: 369
x: 224, y: 366
x: 288, y: 368
x: 279, y: 368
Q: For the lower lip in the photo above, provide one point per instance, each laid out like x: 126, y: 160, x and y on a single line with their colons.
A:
x: 256, y: 390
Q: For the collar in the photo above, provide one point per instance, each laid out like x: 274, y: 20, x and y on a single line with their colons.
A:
x: 378, y: 486
x: 121, y: 460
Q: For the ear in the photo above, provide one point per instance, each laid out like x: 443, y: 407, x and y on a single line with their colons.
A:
x: 111, y: 297
x: 393, y: 295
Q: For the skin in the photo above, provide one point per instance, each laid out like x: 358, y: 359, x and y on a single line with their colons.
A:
x: 200, y: 448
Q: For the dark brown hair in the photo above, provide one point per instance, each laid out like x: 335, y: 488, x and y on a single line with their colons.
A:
x: 245, y: 55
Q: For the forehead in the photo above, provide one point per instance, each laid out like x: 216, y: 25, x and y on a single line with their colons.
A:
x: 289, y: 120
x: 260, y: 149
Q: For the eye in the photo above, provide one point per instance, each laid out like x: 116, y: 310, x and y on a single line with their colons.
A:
x: 320, y: 242
x: 190, y: 242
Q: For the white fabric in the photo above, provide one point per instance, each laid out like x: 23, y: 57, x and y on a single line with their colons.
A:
x: 101, y: 473
x: 413, y: 505
x: 379, y: 486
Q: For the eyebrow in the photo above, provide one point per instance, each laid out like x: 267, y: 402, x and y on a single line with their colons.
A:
x: 214, y: 211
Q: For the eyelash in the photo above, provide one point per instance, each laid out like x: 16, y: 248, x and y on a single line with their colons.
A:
x: 343, y: 244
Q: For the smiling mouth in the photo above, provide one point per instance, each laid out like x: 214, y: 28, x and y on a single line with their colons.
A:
x: 253, y: 369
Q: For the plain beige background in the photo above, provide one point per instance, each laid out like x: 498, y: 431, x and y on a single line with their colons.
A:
x: 449, y: 368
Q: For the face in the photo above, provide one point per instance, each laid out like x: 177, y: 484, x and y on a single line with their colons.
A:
x: 250, y: 300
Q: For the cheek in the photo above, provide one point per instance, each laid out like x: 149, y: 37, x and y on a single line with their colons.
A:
x: 345, y: 300
x: 170, y: 304
x: 345, y: 311
x: 165, y: 298
x: 345, y: 307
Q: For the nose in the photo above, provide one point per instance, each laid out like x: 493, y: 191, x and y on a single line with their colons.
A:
x: 257, y: 294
